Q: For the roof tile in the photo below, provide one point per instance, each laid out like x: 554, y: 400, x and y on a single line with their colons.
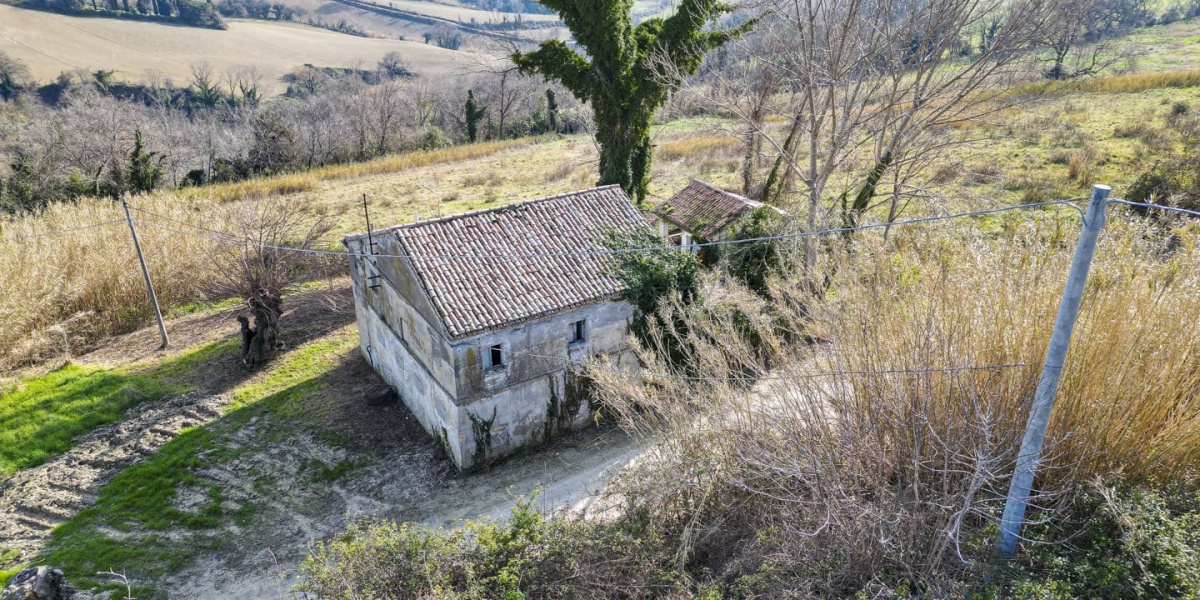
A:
x: 704, y: 210
x: 496, y: 268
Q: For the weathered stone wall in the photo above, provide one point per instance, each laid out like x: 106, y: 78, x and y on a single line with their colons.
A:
x: 479, y: 414
x: 419, y: 363
x: 528, y: 399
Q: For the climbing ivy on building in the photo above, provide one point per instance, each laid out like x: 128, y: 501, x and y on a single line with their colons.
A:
x: 481, y: 430
x: 619, y: 72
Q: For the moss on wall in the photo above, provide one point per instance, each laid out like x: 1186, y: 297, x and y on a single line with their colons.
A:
x: 481, y: 430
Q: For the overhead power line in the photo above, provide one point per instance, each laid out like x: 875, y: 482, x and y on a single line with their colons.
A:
x: 227, y: 238
x: 797, y: 376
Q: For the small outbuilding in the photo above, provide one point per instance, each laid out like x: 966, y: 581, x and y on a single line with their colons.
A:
x: 477, y: 319
x: 700, y: 213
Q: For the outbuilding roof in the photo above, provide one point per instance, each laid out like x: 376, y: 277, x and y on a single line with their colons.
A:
x: 704, y: 210
x: 496, y: 268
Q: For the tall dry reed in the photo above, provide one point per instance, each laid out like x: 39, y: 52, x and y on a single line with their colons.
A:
x: 886, y: 443
x: 61, y: 291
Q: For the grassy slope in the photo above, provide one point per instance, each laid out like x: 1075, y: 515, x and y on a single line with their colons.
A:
x: 1028, y: 157
x: 127, y: 525
x: 51, y: 44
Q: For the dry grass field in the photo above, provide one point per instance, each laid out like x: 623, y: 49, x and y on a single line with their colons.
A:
x: 222, y: 490
x: 51, y: 44
x: 376, y: 24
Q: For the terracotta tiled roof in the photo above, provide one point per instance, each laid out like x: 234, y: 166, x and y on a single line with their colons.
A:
x: 704, y: 210
x: 536, y: 270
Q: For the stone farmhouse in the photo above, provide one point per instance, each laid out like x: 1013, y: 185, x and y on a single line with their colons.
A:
x: 476, y: 319
x: 700, y: 213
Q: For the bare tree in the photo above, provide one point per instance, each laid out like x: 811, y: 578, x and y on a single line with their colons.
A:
x: 863, y: 89
x: 243, y: 84
x: 505, y: 91
x: 1079, y: 33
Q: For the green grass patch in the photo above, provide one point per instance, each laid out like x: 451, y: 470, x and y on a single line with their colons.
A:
x: 140, y: 502
x: 203, y: 306
x: 296, y: 375
x: 127, y: 527
x: 40, y: 417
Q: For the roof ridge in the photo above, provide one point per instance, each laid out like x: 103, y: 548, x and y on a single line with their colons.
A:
x: 481, y: 211
x: 502, y: 207
x: 723, y: 190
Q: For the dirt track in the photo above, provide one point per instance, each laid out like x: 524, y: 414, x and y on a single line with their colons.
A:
x: 307, y: 472
x: 36, y: 500
x: 411, y: 481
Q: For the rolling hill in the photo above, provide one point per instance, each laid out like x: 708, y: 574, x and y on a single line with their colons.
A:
x: 51, y: 44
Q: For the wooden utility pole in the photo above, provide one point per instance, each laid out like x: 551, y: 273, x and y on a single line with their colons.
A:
x: 1056, y: 354
x: 162, y: 328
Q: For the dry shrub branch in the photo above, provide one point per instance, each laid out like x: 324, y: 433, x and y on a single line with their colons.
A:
x: 883, y: 449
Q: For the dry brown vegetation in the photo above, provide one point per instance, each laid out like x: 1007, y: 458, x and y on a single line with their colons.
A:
x: 143, y: 50
x: 890, y: 437
x: 62, y: 291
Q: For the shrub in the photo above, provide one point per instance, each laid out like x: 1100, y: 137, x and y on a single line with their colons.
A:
x: 1174, y: 181
x: 652, y: 280
x: 751, y: 263
x: 527, y: 556
x: 1132, y: 543
x: 883, y: 455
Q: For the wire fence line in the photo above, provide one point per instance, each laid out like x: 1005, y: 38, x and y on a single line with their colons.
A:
x: 228, y: 238
x: 58, y: 232
x: 1173, y: 209
x: 567, y: 362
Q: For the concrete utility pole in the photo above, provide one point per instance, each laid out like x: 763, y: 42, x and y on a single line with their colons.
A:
x: 1056, y: 354
x: 162, y: 328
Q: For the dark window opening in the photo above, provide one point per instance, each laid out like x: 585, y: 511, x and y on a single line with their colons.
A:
x: 495, y: 357
x: 576, y: 333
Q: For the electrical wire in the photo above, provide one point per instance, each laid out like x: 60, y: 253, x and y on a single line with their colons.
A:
x: 797, y: 377
x: 223, y: 237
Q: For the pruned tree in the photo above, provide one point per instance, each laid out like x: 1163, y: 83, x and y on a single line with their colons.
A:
x: 257, y: 270
x: 619, y: 75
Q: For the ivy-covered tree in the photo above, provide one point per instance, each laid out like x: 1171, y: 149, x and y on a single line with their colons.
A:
x: 620, y: 76
x: 144, y: 171
x: 473, y: 113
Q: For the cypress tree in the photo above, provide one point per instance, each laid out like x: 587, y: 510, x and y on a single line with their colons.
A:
x: 552, y: 109
x: 618, y: 76
x: 474, y: 113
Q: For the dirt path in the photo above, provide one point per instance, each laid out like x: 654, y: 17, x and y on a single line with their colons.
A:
x: 36, y: 500
x: 411, y: 481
